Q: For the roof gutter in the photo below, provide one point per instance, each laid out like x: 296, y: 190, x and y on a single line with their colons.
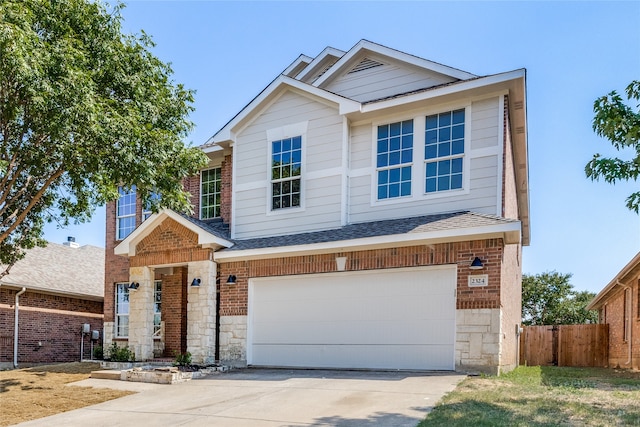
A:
x: 15, y: 327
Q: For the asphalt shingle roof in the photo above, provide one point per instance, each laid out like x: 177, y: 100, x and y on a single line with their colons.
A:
x: 421, y: 224
x: 61, y: 269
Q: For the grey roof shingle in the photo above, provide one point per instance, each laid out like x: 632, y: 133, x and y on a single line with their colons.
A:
x: 421, y: 224
x: 61, y: 269
x: 215, y: 227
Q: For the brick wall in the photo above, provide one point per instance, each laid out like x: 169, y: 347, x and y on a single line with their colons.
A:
x: 174, y: 315
x: 234, y: 297
x: 49, y: 326
x: 618, y: 346
x: 225, y: 199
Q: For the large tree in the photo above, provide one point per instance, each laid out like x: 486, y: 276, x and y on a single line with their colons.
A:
x: 617, y: 121
x: 84, y: 108
x: 549, y: 299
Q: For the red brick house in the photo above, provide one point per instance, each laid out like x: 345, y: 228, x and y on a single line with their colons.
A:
x: 619, y: 306
x: 52, y: 292
x: 366, y: 210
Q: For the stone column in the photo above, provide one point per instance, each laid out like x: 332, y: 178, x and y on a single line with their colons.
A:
x: 201, y: 312
x: 141, y: 313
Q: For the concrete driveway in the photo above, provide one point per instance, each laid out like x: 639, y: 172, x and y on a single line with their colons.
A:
x: 268, y: 398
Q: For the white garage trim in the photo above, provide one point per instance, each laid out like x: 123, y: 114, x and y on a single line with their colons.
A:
x: 401, y: 318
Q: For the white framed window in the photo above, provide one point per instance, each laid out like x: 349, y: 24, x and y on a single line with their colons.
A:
x: 157, y: 306
x: 125, y: 212
x: 444, y: 151
x: 122, y: 310
x: 286, y: 172
x: 146, y: 208
x: 394, y: 159
x: 210, y: 193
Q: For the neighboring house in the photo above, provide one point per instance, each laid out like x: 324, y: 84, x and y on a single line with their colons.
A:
x: 54, y: 291
x: 619, y: 306
x: 366, y: 210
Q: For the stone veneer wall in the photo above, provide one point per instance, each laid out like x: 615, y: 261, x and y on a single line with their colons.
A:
x: 233, y: 340
x: 478, y: 340
x: 201, y: 312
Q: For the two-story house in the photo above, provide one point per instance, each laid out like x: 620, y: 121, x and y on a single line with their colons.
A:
x: 365, y: 210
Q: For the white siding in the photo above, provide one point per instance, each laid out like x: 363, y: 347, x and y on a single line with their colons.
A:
x: 386, y: 80
x: 480, y: 196
x: 321, y: 184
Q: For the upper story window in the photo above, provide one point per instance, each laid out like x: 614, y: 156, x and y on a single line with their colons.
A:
x: 125, y: 212
x: 122, y: 310
x: 210, y: 191
x: 286, y: 170
x: 444, y: 151
x: 394, y: 159
x: 146, y: 210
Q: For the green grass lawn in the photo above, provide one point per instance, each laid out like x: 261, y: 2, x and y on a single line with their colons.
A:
x: 543, y: 396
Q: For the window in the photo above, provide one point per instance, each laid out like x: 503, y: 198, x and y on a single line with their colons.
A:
x: 125, y: 212
x: 122, y: 309
x: 146, y: 210
x: 157, y: 307
x: 394, y: 159
x: 444, y: 151
x: 286, y: 168
x: 210, y: 190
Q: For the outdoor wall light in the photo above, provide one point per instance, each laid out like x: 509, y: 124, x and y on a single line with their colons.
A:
x: 476, y: 264
x: 134, y: 285
x: 231, y: 280
x: 196, y: 281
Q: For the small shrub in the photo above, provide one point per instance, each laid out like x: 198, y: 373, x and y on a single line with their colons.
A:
x: 182, y: 359
x: 121, y: 354
x: 98, y: 353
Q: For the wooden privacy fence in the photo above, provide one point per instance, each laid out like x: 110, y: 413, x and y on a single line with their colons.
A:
x: 565, y: 345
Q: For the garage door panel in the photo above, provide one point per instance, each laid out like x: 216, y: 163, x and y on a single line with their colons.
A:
x: 335, y: 320
x: 355, y: 332
x: 356, y: 357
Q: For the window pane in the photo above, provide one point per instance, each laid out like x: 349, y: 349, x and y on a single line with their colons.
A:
x: 405, y: 189
x: 394, y: 175
x: 456, y: 165
x: 457, y: 132
x: 430, y: 152
x: 407, y: 141
x: 394, y: 158
x: 382, y: 160
x: 443, y: 183
x: 394, y: 190
x: 383, y: 131
x: 382, y: 192
x: 444, y: 119
x: 383, y: 177
x: 456, y: 181
x: 394, y: 129
x: 432, y: 169
x: 458, y: 116
x: 297, y: 143
x: 457, y: 147
x: 444, y: 149
x: 406, y: 156
x: 394, y: 144
x: 407, y: 126
x: 431, y: 185
x: 432, y: 122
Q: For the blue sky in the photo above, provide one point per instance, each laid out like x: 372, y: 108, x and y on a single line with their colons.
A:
x: 573, y: 52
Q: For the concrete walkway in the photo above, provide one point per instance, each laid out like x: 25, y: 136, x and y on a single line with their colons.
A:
x: 268, y: 398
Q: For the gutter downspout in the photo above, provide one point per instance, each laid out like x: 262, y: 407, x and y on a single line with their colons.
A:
x: 15, y: 325
x: 628, y: 362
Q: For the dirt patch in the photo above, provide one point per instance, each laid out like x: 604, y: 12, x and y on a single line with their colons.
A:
x: 31, y: 393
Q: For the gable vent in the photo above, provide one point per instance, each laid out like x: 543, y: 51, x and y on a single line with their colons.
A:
x: 365, y: 64
x: 324, y: 70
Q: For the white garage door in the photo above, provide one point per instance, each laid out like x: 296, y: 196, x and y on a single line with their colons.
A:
x: 383, y: 319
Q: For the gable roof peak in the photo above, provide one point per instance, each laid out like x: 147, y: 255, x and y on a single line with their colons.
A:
x: 365, y: 46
